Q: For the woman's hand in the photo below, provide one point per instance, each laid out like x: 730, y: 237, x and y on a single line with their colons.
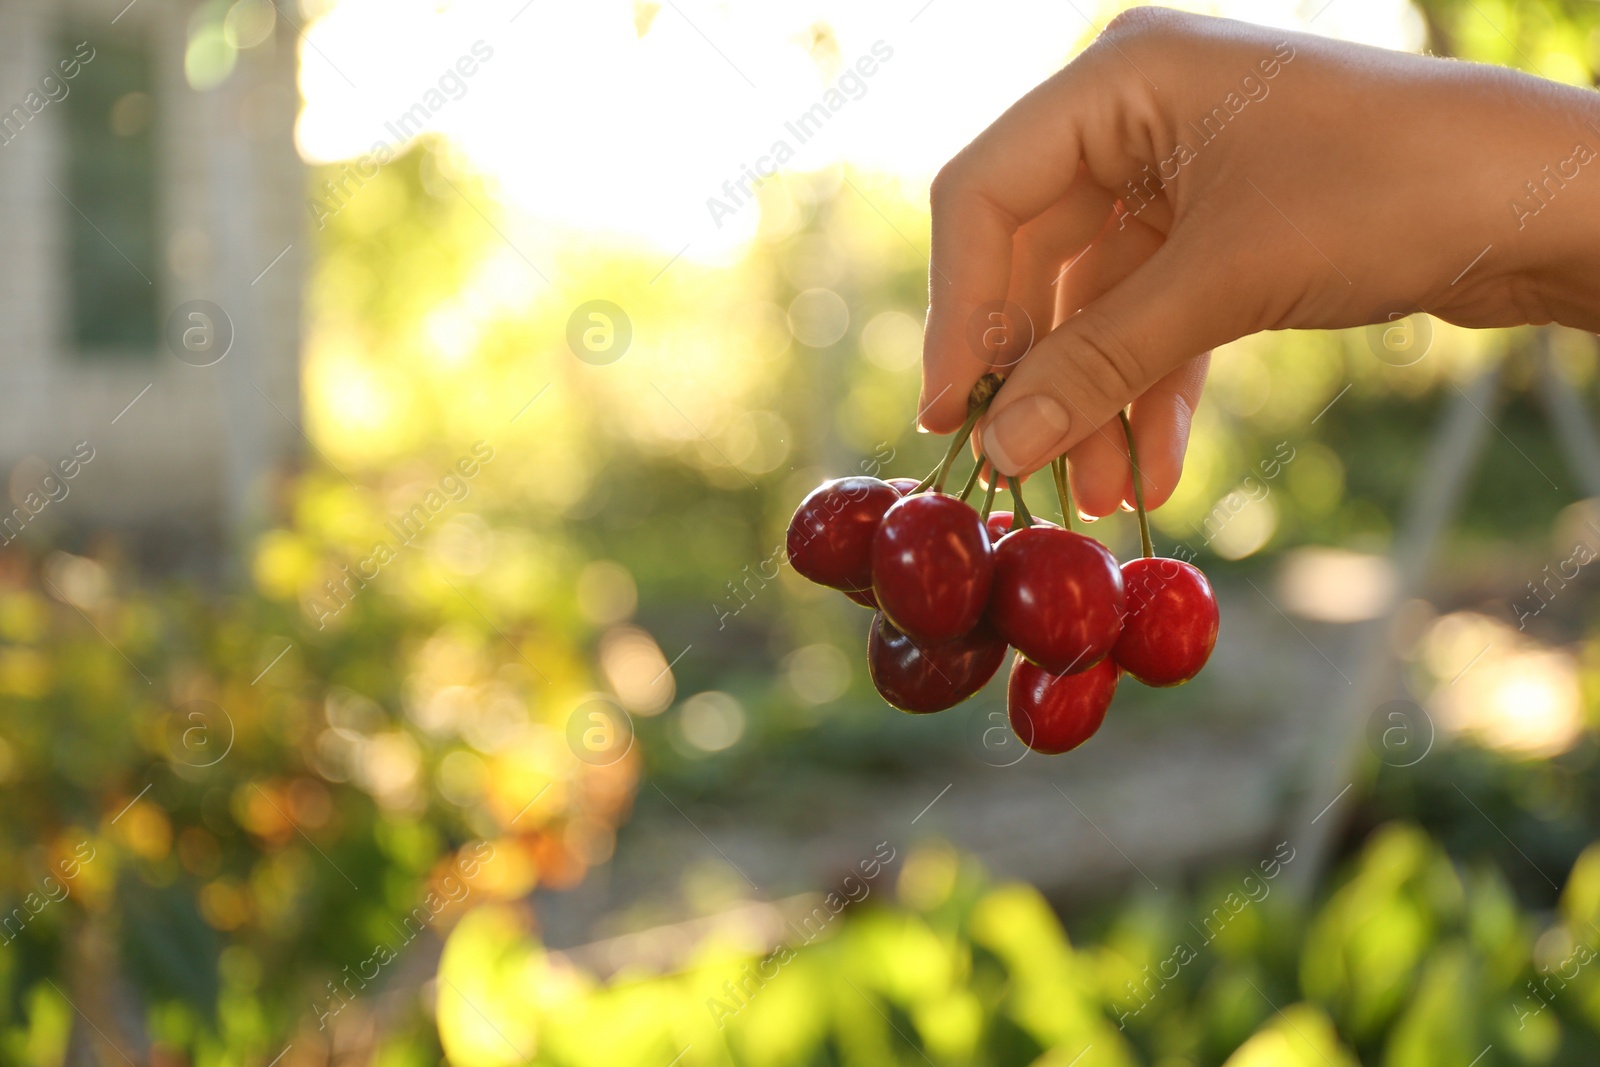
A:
x: 1188, y: 180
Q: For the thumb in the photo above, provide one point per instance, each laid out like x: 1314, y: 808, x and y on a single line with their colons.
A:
x: 1096, y: 363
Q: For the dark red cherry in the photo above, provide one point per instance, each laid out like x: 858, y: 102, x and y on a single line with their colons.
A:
x: 1055, y: 713
x: 999, y: 524
x: 1170, y: 625
x: 830, y: 536
x: 931, y: 567
x: 904, y: 485
x: 1057, y: 597
x: 863, y: 597
x: 923, y: 678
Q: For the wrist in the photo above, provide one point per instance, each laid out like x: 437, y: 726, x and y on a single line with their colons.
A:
x: 1555, y: 216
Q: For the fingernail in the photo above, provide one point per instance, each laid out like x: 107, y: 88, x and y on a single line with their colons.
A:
x: 1125, y: 506
x: 1084, y: 516
x: 1018, y: 436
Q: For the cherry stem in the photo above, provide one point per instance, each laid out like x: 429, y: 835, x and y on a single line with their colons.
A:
x: 983, y: 392
x: 925, y: 483
x: 988, y: 493
x: 1022, y: 519
x: 972, y: 479
x: 1138, y: 488
x: 956, y: 444
x: 1058, y: 467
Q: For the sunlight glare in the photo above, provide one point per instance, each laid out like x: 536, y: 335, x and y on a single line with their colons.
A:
x: 585, y: 122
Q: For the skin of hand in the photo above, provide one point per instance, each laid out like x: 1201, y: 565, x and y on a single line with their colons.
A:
x: 1187, y: 181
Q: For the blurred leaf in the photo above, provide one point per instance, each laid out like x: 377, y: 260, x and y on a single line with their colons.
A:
x: 1299, y: 1036
x: 167, y: 950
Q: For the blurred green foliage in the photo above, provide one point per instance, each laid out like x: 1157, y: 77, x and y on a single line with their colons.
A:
x: 1411, y: 959
x: 227, y: 814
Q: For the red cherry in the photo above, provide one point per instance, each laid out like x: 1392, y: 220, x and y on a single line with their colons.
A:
x: 999, y: 524
x: 1055, y: 713
x: 830, y: 536
x: 931, y: 567
x: 1171, y: 622
x: 931, y: 677
x: 863, y: 597
x: 1057, y: 597
x: 904, y: 485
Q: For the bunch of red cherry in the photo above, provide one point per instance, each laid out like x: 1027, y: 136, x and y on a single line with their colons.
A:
x: 954, y: 586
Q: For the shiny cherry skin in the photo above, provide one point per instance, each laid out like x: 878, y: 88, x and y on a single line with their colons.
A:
x: 1057, y: 597
x: 865, y: 597
x: 1170, y: 626
x: 931, y: 567
x: 923, y: 678
x: 830, y: 536
x: 1055, y: 713
x: 999, y: 524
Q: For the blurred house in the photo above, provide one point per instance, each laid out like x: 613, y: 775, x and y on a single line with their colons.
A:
x: 152, y: 245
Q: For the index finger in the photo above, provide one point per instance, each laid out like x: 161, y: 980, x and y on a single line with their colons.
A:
x: 1025, y: 162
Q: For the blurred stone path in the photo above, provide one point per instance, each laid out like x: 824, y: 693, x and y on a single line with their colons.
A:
x: 1176, y: 780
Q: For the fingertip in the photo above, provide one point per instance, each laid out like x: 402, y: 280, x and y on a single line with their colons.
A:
x: 1163, y: 438
x: 1097, y: 470
x: 930, y: 420
x: 935, y: 421
x: 942, y: 406
x: 1097, y: 504
x: 1001, y: 482
x: 1161, y: 482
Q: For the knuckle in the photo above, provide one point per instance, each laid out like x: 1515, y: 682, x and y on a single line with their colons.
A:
x: 1106, y: 363
x: 942, y: 192
x: 1141, y: 43
x: 1142, y: 22
x: 954, y: 189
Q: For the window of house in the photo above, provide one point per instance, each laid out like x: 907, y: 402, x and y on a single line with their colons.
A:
x: 110, y: 179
